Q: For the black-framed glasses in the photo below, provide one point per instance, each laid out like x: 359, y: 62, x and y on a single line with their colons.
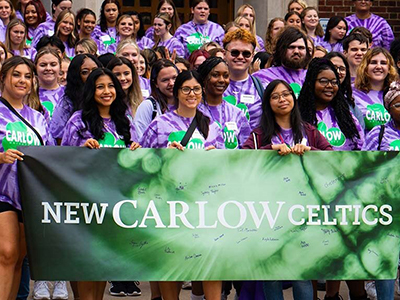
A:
x: 326, y: 81
x: 285, y: 95
x: 197, y: 90
x: 236, y: 53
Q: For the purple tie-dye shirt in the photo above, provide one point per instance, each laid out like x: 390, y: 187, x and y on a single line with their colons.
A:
x: 46, y: 28
x: 61, y: 115
x: 14, y: 133
x: 104, y: 40
x: 235, y: 127
x: 150, y: 33
x: 244, y: 95
x: 76, y: 134
x: 382, y: 33
x: 192, y: 36
x: 329, y: 128
x: 390, y: 139
x: 173, y: 44
x: 287, y: 138
x: 50, y: 98
x: 293, y: 77
x: 337, y: 47
x: 144, y: 43
x: 371, y: 106
x: 171, y: 127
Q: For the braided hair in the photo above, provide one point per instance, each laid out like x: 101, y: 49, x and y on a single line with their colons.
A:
x: 307, y: 99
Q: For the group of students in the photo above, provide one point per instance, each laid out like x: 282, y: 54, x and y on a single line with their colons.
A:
x: 67, y: 81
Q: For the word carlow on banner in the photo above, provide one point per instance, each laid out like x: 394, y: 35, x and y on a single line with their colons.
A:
x: 116, y: 214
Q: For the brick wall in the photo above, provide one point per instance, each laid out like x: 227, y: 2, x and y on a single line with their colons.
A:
x: 390, y: 10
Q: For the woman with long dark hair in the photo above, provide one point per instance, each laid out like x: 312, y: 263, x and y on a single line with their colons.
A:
x: 214, y: 73
x: 336, y: 30
x: 79, y: 70
x: 16, y: 76
x: 322, y: 104
x: 162, y: 80
x: 105, y: 32
x: 138, y: 32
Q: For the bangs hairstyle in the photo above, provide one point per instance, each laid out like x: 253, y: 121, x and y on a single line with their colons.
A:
x: 307, y: 99
x: 268, y: 122
x: 41, y: 13
x: 175, y: 21
x: 332, y: 23
x: 103, y: 20
x: 90, y: 112
x: 47, y: 50
x: 155, y: 92
x: 239, y: 35
x: 203, y: 122
x: 319, y: 31
x: 72, y: 37
x: 363, y: 82
x: 22, y: 45
x: 134, y: 94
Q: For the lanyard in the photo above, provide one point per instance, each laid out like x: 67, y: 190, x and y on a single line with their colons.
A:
x: 282, y: 140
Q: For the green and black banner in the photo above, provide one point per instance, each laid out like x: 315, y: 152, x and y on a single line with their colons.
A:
x: 163, y: 214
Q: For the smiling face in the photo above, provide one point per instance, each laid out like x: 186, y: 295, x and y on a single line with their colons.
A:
x: 124, y: 75
x: 244, y: 24
x: 125, y: 27
x: 238, y: 64
x: 62, y: 79
x: 160, y: 28
x: 87, y: 24
x: 66, y: 26
x: 166, y: 80
x: 363, y: 6
x: 200, y: 13
x: 325, y: 92
x: 190, y: 101
x: 294, y: 20
x: 311, y: 19
x: 217, y: 80
x: 5, y: 10
x: 394, y: 110
x: 31, y: 16
x: 105, y: 93
x: 48, y: 69
x: 378, y: 68
x: 281, y: 101
x: 130, y: 53
x: 17, y: 35
x: 141, y: 68
x: 17, y: 83
x: 338, y: 32
x: 355, y: 53
x: 167, y: 8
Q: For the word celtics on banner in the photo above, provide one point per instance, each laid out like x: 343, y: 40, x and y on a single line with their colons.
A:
x: 159, y: 215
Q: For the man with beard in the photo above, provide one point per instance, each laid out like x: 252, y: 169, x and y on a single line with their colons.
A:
x: 289, y: 60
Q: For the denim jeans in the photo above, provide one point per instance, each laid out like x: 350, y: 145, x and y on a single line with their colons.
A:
x: 302, y: 290
x: 23, y: 291
x: 385, y: 289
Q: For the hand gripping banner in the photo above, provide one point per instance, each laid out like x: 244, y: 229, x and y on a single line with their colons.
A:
x: 158, y: 215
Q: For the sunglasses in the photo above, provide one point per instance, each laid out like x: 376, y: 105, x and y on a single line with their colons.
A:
x: 236, y: 53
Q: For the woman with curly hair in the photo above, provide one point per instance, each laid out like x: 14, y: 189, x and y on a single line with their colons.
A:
x: 374, y: 75
x: 324, y: 106
x: 274, y: 28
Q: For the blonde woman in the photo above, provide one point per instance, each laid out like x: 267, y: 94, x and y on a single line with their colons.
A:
x: 297, y: 6
x: 248, y: 11
x: 16, y: 39
x: 65, y: 30
x: 275, y: 27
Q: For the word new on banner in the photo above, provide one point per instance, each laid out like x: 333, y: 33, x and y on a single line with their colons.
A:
x: 163, y: 214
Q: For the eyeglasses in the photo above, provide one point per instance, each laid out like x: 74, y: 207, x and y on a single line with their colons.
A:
x: 236, y: 53
x: 197, y: 90
x: 325, y: 82
x: 285, y: 95
x: 341, y: 69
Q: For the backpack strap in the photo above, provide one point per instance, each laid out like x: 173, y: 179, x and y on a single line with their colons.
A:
x: 154, y: 102
x: 259, y: 87
x: 381, y: 132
